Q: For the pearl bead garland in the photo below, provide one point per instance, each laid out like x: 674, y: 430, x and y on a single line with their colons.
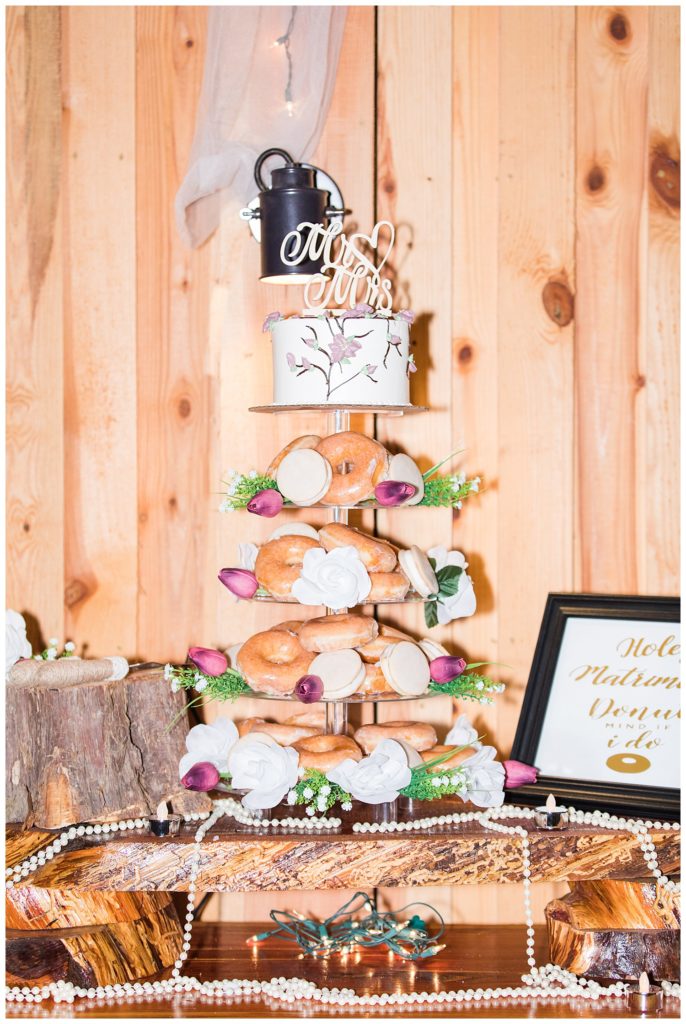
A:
x: 547, y: 982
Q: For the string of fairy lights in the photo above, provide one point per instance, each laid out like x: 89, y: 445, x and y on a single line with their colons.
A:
x: 285, y: 41
x: 408, y: 937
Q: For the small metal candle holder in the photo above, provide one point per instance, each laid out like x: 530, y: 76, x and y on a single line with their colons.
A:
x: 551, y: 816
x: 164, y: 824
x: 645, y: 998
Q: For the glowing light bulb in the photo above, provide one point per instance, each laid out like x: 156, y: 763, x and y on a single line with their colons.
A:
x: 290, y: 108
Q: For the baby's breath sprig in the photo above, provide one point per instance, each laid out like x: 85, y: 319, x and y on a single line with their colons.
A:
x: 433, y: 786
x: 51, y: 653
x: 449, y: 491
x: 230, y: 685
x: 242, y: 488
x: 469, y: 686
x: 318, y: 793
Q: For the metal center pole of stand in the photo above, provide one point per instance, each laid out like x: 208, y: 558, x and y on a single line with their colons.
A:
x: 337, y: 711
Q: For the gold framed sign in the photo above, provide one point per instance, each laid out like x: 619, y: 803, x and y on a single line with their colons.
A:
x: 601, y: 712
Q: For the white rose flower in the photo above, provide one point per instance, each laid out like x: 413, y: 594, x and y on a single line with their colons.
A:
x: 462, y: 603
x: 247, y: 556
x: 485, y: 778
x: 378, y: 778
x: 337, y: 579
x: 16, y: 644
x: 209, y: 743
x: 259, y: 764
x: 462, y: 734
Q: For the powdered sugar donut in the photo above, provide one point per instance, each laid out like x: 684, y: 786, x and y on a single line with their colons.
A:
x: 304, y: 477
x: 406, y: 668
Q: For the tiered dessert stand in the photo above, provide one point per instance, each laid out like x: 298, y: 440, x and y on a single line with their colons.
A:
x: 336, y: 718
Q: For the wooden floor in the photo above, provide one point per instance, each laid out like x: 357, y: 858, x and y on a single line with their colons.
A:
x: 474, y: 957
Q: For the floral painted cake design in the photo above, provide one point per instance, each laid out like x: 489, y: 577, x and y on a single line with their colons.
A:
x: 351, y: 357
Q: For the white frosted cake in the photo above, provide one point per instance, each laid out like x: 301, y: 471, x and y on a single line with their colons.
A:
x: 341, y: 357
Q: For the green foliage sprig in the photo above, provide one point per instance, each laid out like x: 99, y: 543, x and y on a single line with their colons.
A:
x: 318, y: 793
x: 426, y: 784
x: 440, y: 492
x: 241, y: 489
x: 50, y: 652
x: 449, y: 491
x: 469, y: 685
x: 230, y: 685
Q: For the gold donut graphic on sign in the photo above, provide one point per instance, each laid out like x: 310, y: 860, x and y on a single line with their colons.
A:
x: 630, y: 763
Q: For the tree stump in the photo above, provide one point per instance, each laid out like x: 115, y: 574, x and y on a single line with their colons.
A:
x: 95, y: 751
x: 88, y: 939
x: 613, y: 929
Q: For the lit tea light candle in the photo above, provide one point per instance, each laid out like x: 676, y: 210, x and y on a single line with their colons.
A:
x: 163, y: 823
x: 551, y: 816
x: 645, y: 998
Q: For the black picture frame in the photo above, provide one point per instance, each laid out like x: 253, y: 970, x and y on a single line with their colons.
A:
x: 650, y: 802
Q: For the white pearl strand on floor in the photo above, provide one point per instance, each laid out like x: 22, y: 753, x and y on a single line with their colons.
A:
x: 548, y: 982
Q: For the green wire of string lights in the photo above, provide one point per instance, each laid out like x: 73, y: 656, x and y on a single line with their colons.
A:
x: 407, y: 936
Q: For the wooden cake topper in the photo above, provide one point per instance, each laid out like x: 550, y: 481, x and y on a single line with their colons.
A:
x: 354, y: 278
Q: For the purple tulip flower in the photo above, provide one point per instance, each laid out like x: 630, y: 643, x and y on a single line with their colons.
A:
x: 209, y: 661
x: 519, y: 774
x: 446, y: 668
x: 201, y: 778
x: 309, y: 689
x: 241, y: 582
x: 394, y: 492
x: 266, y: 503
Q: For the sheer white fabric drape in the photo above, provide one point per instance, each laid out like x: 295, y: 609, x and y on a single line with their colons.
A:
x: 247, y: 105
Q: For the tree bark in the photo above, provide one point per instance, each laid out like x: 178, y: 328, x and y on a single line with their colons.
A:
x: 94, y: 751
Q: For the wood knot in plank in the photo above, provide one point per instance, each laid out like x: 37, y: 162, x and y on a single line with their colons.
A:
x: 464, y: 352
x: 388, y: 185
x: 640, y: 381
x: 558, y: 302
x: 595, y: 180
x: 619, y: 27
x: 184, y: 408
x: 665, y: 177
x: 75, y: 591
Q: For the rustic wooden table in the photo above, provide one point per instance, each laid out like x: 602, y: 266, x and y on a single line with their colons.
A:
x: 99, y: 912
x: 235, y: 858
x: 474, y: 957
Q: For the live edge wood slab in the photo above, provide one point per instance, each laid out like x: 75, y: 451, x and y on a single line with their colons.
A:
x: 235, y: 858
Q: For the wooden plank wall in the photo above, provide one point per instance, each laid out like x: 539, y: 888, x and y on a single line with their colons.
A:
x: 530, y: 157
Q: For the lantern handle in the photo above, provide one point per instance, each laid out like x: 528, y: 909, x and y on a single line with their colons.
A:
x: 265, y: 156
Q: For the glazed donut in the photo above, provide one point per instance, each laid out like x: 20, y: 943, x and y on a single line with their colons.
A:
x: 284, y: 734
x: 377, y: 555
x: 337, y: 632
x: 452, y: 762
x: 291, y: 626
x: 375, y: 681
x: 314, y: 716
x: 387, y: 586
x: 357, y: 462
x: 372, y: 651
x: 273, y: 661
x: 326, y: 752
x: 419, y: 735
x: 306, y: 441
x: 279, y: 562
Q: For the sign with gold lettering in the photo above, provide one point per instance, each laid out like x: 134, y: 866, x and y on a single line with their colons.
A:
x: 601, y: 713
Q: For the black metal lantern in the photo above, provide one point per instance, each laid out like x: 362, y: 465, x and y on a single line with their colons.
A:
x: 294, y: 198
